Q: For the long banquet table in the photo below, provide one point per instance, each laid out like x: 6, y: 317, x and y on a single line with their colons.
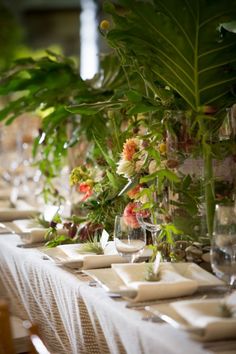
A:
x: 74, y: 317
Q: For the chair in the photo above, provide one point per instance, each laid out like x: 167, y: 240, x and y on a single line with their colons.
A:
x: 37, y: 345
x: 17, y: 336
x: 6, y: 342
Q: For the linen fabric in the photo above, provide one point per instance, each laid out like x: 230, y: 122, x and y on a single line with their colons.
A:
x: 74, y: 317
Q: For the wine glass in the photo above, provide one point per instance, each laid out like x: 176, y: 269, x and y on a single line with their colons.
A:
x: 151, y: 223
x: 223, y: 248
x: 129, y: 237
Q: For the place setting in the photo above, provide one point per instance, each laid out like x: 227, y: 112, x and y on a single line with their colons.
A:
x: 80, y: 257
x: 148, y: 281
x: 184, y: 295
x: 205, y: 319
x: 20, y: 210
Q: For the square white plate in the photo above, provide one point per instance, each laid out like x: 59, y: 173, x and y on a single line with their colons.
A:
x: 72, y: 257
x: 112, y: 283
x: 169, y: 315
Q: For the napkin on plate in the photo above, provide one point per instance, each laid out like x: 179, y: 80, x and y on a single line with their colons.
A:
x: 171, y: 283
x: 209, y: 316
x: 6, y: 193
x: 21, y: 211
x: 34, y: 236
x: 69, y: 255
x: 33, y: 233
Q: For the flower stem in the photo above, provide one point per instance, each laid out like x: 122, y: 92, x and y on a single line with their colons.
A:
x: 209, y: 188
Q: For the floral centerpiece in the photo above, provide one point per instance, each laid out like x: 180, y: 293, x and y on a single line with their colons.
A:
x: 184, y: 73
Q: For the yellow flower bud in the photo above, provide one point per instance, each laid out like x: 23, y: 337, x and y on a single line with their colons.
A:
x: 162, y: 148
x: 105, y: 25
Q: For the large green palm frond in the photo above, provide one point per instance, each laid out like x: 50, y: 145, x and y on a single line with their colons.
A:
x: 182, y: 44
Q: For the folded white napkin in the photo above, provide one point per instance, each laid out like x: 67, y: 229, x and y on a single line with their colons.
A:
x: 21, y: 211
x: 70, y: 256
x: 208, y: 315
x: 6, y: 193
x: 33, y: 234
x: 171, y: 283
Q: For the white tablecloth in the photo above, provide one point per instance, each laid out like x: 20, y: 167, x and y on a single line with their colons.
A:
x: 76, y: 318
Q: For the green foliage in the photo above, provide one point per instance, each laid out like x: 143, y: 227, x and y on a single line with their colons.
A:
x: 105, y: 204
x: 161, y: 174
x: 10, y: 37
x: 46, y: 86
x: 185, y: 53
x: 150, y: 275
x: 181, y: 45
x: 227, y: 310
x: 40, y: 220
x: 167, y: 233
x: 59, y: 240
x: 92, y: 246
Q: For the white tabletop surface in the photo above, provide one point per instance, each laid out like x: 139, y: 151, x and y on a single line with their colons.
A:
x: 74, y: 317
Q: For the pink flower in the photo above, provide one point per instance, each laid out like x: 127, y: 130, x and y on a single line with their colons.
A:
x: 131, y: 212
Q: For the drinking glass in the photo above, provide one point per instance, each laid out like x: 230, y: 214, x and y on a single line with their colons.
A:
x: 152, y: 224
x: 223, y: 248
x: 129, y: 237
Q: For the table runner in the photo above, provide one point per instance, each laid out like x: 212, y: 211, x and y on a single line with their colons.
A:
x: 74, y: 317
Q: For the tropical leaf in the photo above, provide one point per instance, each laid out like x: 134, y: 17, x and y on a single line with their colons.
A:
x: 93, y: 108
x: 183, y: 45
x: 229, y: 26
x: 111, y: 75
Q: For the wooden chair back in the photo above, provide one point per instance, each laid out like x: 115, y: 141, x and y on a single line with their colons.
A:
x: 6, y: 340
x: 37, y: 345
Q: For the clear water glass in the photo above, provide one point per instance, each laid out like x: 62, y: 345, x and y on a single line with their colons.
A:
x: 129, y: 237
x: 223, y: 247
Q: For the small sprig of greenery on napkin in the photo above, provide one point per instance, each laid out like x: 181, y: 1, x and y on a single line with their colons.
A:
x: 227, y: 310
x: 152, y: 271
x: 92, y: 246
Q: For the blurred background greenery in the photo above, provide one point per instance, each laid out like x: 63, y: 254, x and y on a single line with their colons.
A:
x: 28, y: 27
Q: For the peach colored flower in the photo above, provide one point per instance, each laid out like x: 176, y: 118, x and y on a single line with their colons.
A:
x: 134, y: 192
x: 130, y: 148
x: 86, y: 189
x: 131, y: 212
x: 130, y: 215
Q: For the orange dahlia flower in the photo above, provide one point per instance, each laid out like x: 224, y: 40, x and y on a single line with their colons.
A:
x: 130, y: 148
